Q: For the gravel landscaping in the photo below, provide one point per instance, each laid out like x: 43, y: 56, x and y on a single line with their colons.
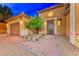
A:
x: 36, y: 38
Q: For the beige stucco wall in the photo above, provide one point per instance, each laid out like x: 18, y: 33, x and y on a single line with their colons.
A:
x: 3, y: 28
x: 77, y: 24
x: 57, y: 14
x: 77, y: 19
x: 68, y: 24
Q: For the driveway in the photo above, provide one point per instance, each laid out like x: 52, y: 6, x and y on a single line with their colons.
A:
x: 50, y: 45
x: 9, y: 48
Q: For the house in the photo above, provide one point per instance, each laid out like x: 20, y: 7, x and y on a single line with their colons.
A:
x: 61, y: 19
x: 55, y: 19
x: 15, y: 25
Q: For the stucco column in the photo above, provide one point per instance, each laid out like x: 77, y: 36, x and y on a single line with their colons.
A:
x: 45, y: 27
x: 8, y: 28
x: 72, y: 23
x: 55, y: 26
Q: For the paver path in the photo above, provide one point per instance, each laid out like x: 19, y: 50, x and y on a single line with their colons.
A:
x: 64, y: 47
x: 8, y: 48
x: 52, y: 46
x: 45, y: 47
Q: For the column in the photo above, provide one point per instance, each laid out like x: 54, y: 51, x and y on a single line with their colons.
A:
x: 72, y: 23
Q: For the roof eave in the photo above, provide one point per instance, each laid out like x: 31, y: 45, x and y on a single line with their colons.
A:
x: 14, y: 17
x: 52, y: 7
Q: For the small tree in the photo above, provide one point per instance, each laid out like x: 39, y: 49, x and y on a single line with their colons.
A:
x: 35, y: 23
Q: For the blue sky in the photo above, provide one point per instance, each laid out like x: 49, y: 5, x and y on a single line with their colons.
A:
x: 28, y: 8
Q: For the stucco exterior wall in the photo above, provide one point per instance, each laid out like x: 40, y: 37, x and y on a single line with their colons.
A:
x: 77, y: 19
x: 68, y: 24
x: 77, y: 25
x: 3, y: 28
x: 57, y: 14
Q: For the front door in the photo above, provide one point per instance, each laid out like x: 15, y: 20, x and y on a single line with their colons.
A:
x: 50, y: 27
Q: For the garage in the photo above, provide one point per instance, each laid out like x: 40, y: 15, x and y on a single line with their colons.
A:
x: 16, y: 24
x: 15, y: 28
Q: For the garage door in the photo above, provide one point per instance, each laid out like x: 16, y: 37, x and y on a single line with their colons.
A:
x: 15, y: 29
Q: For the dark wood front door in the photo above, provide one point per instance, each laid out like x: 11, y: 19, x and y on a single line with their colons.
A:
x: 15, y: 29
x: 50, y: 27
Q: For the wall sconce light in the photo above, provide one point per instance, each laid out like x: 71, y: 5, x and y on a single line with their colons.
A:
x: 44, y: 23
x: 50, y: 14
x: 7, y: 24
x: 59, y: 22
x: 21, y: 22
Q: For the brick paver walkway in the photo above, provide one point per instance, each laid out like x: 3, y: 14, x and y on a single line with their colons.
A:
x: 8, y: 48
x: 52, y: 46
x: 65, y: 48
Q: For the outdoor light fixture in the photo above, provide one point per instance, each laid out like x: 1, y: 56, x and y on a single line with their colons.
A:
x: 59, y: 22
x: 21, y: 22
x: 44, y: 23
x: 50, y: 14
x: 7, y: 24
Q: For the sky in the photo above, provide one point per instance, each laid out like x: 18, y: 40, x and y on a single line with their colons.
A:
x: 29, y: 9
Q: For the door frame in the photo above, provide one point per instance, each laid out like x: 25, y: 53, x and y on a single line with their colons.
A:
x: 55, y: 25
x: 48, y: 22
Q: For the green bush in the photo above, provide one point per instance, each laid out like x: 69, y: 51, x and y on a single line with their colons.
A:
x: 35, y: 23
